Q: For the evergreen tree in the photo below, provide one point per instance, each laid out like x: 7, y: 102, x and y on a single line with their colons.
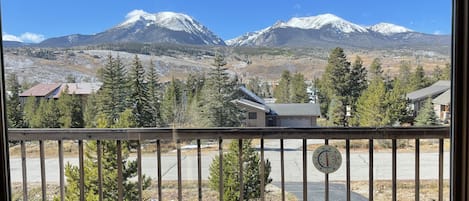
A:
x: 336, y: 113
x: 90, y: 111
x: 219, y: 91
x: 114, y: 89
x: 446, y: 72
x: 282, y: 90
x: 371, y: 108
x: 298, y: 93
x: 426, y: 115
x: 251, y: 172
x: 404, y: 76
x: 30, y: 107
x: 138, y: 99
x: 64, y: 104
x: 418, y: 79
x: 376, y: 70
x: 154, y: 97
x: 335, y: 82
x: 14, y: 106
x: 171, y: 100
x: 396, y: 107
x: 358, y: 83
x: 47, y: 115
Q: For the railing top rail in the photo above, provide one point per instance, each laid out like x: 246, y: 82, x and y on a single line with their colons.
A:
x: 230, y: 133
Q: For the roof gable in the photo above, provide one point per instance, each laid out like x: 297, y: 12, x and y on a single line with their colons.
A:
x: 431, y: 91
x: 41, y: 90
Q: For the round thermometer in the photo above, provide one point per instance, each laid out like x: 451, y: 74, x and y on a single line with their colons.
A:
x: 327, y: 159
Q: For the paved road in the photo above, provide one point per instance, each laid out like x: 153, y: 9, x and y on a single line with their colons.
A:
x: 316, y: 191
x: 293, y: 166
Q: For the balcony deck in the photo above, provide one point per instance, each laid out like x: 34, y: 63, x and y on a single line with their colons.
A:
x: 157, y: 135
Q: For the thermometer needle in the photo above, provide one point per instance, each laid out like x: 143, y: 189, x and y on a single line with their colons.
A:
x: 327, y: 160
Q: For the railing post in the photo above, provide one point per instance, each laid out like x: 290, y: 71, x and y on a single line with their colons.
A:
x: 460, y: 98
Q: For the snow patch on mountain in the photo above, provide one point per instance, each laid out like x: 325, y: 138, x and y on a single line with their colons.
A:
x: 319, y: 21
x: 388, y: 29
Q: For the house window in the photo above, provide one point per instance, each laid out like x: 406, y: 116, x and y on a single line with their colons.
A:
x: 252, y: 115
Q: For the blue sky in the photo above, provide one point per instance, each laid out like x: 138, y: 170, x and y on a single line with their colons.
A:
x: 35, y: 20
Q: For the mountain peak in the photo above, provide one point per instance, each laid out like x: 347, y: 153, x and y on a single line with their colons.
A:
x: 319, y: 21
x: 388, y: 28
x: 170, y: 20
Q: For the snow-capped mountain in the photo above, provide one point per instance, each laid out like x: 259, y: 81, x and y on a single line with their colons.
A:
x: 328, y: 30
x: 143, y: 27
x: 320, y: 21
x: 388, y: 29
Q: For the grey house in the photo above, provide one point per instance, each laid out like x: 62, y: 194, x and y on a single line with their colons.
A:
x: 417, y: 98
x: 260, y: 114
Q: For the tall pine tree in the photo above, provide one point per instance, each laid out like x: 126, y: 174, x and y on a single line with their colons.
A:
x: 138, y: 99
x: 282, y: 90
x: 218, y: 92
x: 114, y: 89
x: 426, y: 115
x: 14, y: 106
x: 154, y: 97
x: 358, y: 83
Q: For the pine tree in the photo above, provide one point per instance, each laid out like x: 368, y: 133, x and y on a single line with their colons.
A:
x: 358, y: 83
x: 376, y: 70
x: 336, y: 113
x: 47, y: 115
x: 418, y: 79
x: 154, y: 97
x: 251, y: 172
x: 396, y: 107
x: 426, y: 115
x: 171, y: 100
x: 14, y: 106
x: 335, y: 82
x: 138, y: 99
x: 113, y: 92
x: 371, y: 108
x: 404, y: 76
x: 282, y: 90
x: 30, y: 107
x: 65, y: 107
x: 91, y: 111
x: 298, y: 93
x: 218, y: 92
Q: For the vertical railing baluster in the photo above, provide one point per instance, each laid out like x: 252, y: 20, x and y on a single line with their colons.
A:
x: 220, y: 169
x: 262, y: 171
x: 326, y: 179
x: 120, y: 188
x: 82, y: 170
x: 178, y: 148
x: 24, y: 172
x: 305, y: 175
x: 370, y: 170
x: 158, y: 156
x: 139, y: 170
x: 347, y: 159
x: 61, y: 170
x: 43, y: 170
x: 417, y: 169
x: 440, y: 170
x: 240, y: 173
x: 199, y: 170
x: 282, y: 169
x: 394, y: 169
x: 100, y: 170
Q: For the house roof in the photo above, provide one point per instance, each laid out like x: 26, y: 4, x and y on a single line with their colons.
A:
x: 443, y: 99
x: 431, y: 91
x: 79, y: 88
x: 41, y: 90
x: 251, y: 95
x: 251, y: 104
x: 295, y: 109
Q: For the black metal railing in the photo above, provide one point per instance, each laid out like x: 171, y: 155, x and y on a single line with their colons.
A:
x: 179, y: 135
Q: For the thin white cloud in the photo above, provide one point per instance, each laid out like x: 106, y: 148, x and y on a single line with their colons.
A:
x: 25, y: 37
x: 136, y: 12
x: 32, y: 37
x: 438, y: 32
x: 9, y: 37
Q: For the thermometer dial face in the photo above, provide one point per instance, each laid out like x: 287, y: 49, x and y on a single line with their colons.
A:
x: 327, y: 159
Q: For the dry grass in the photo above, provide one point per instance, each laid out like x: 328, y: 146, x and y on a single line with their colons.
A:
x: 169, y: 192
x: 405, y: 190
